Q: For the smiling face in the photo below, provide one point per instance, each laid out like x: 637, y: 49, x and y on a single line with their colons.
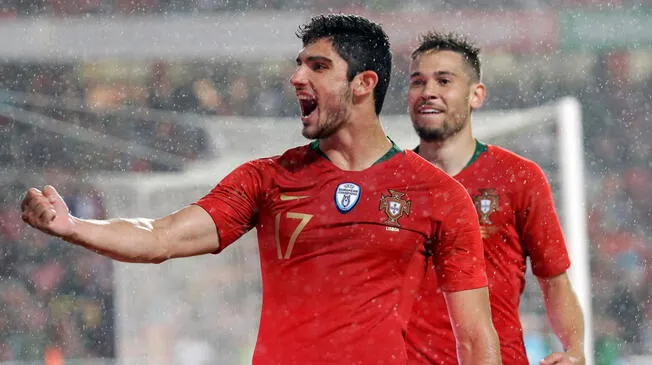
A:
x: 322, y: 89
x: 441, y: 94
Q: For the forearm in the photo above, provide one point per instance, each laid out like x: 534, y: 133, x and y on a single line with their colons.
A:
x: 128, y: 240
x: 477, y: 340
x: 187, y: 232
x: 567, y: 322
x: 482, y: 349
x: 565, y: 314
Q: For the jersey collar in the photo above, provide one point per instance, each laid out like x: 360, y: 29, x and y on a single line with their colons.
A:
x: 480, y: 148
x: 314, y: 145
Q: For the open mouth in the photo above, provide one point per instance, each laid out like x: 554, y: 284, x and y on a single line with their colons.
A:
x: 307, y: 106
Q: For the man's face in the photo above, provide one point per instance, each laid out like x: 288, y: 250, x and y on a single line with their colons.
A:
x: 439, y: 94
x: 322, y: 89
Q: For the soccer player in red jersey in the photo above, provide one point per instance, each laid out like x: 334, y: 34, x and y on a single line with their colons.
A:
x: 342, y: 222
x: 514, y: 205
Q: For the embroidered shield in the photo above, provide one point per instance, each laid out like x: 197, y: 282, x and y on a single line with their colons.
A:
x: 486, y: 203
x: 394, y: 207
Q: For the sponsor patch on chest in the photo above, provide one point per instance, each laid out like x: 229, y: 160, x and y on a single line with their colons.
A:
x: 347, y: 196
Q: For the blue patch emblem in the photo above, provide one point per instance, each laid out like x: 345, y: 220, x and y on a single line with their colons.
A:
x: 347, y: 196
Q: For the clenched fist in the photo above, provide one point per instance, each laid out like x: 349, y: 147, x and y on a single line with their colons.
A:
x: 46, y: 211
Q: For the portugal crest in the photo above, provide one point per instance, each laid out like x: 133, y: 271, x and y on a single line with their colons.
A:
x: 486, y: 204
x: 394, y: 206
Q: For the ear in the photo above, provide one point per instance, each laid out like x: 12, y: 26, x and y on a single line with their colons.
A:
x: 478, y: 95
x: 364, y: 83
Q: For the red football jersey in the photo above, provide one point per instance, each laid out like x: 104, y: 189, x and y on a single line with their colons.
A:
x: 337, y: 249
x: 518, y: 220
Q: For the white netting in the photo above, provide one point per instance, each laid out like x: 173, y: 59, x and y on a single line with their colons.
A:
x: 208, y: 307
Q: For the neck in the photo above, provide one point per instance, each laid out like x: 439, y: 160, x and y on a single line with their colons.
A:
x: 358, y: 143
x: 452, y: 154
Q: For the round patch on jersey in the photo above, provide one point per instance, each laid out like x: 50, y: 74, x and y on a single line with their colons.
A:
x: 347, y: 196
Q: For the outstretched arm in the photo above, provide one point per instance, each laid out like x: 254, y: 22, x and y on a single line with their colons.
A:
x: 477, y: 340
x: 187, y: 232
x: 565, y: 316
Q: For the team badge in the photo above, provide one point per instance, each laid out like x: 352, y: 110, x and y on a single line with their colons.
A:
x: 486, y: 204
x: 347, y: 196
x: 394, y: 207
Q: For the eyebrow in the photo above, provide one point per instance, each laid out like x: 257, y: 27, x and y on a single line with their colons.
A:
x: 437, y: 73
x: 316, y: 59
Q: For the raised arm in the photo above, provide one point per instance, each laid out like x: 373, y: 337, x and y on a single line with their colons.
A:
x: 565, y: 317
x: 470, y: 314
x: 186, y: 232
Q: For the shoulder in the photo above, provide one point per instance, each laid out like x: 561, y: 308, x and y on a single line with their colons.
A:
x: 422, y: 166
x: 523, y: 175
x: 297, y: 156
x: 505, y: 155
x: 437, y: 181
x: 292, y: 158
x: 514, y: 162
x: 424, y: 169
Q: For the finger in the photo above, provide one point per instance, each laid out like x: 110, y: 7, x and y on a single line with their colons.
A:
x: 47, y: 215
x: 33, y: 204
x: 25, y: 217
x: 51, y: 193
x: 42, y: 213
x: 37, y: 205
x: 33, y: 196
x: 32, y: 193
x: 28, y: 217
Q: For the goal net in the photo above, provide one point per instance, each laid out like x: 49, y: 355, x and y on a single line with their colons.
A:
x: 206, y: 309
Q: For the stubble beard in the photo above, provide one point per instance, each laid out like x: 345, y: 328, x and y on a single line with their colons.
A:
x: 336, y: 117
x: 448, y: 129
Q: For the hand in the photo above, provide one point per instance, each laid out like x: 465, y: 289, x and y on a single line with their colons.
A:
x: 562, y: 358
x: 46, y: 211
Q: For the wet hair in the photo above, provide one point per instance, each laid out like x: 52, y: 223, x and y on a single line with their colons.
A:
x: 363, y: 44
x: 435, y: 41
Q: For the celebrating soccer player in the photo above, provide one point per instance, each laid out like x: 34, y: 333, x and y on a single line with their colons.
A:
x: 341, y: 222
x: 514, y: 205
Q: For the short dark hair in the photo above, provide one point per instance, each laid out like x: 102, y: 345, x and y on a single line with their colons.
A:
x: 451, y: 42
x: 363, y: 44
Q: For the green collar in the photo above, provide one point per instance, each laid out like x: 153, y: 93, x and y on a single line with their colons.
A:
x: 480, y: 148
x: 314, y: 145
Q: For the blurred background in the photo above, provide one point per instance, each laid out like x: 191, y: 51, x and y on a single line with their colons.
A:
x: 138, y: 107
